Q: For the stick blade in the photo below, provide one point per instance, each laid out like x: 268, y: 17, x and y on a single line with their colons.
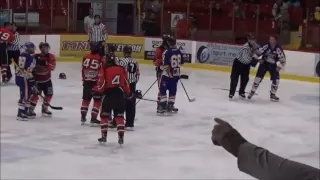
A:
x: 192, y: 100
x: 56, y: 108
x: 183, y: 76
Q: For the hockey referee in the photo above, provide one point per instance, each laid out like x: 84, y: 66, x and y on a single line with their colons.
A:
x: 241, y: 67
x: 98, y: 33
x: 132, y: 68
x: 13, y: 49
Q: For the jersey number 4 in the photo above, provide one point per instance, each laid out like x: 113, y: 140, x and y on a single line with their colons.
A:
x: 91, y: 63
x: 116, y: 80
x: 4, y: 36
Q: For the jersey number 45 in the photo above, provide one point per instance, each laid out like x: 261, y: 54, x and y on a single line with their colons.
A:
x: 91, y: 64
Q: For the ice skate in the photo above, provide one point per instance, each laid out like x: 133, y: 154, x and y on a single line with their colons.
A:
x: 83, y: 120
x: 161, y: 111
x: 230, y: 96
x: 127, y: 128
x: 94, y: 123
x: 22, y: 117
x: 242, y: 96
x: 274, y: 98
x: 45, y: 111
x: 172, y: 109
x: 103, y: 139
x: 251, y: 95
x: 31, y: 114
x: 120, y: 139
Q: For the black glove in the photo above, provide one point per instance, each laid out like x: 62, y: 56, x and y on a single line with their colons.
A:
x: 223, y: 134
x: 138, y: 94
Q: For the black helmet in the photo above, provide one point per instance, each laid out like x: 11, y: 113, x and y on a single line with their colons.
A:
x: 111, y: 60
x: 171, y: 41
x: 127, y: 49
x: 62, y: 76
x: 94, y: 47
x: 110, y: 49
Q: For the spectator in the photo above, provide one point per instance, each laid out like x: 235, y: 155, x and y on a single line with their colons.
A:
x: 149, y: 25
x: 284, y: 19
x: 217, y: 11
x: 182, y: 28
x: 256, y: 161
x: 252, y: 1
x: 88, y: 20
x: 294, y: 3
x: 257, y: 14
x: 237, y: 12
x: 317, y: 14
x: 276, y: 10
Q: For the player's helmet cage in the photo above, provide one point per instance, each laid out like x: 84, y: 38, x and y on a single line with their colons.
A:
x: 62, y: 76
x: 127, y: 50
x: 171, y: 41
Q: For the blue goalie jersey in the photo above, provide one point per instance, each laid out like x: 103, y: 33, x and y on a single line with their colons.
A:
x: 172, y: 61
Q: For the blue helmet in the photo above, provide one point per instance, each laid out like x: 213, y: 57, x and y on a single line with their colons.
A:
x: 29, y: 45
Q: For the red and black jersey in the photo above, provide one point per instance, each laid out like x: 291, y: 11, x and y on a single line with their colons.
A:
x: 158, y: 56
x: 91, y: 64
x: 45, y: 63
x: 113, y: 77
x: 6, y: 35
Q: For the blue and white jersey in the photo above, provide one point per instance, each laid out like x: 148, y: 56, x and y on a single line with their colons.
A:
x: 26, y: 65
x: 172, y: 61
x: 272, y: 55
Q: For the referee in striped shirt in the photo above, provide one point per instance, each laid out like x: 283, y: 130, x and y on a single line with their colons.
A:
x: 241, y: 67
x: 13, y: 49
x: 98, y: 33
x: 132, y: 68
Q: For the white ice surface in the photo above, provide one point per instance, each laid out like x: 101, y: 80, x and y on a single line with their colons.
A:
x: 177, y: 147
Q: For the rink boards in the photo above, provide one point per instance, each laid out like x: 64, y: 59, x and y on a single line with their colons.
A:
x: 214, y: 56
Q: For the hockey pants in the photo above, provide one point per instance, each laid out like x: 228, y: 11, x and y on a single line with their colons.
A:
x: 242, y: 70
x: 274, y: 76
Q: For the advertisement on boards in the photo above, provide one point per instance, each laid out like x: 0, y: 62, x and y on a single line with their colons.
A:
x: 78, y: 45
x: 152, y: 43
x: 317, y: 66
x: 216, y: 54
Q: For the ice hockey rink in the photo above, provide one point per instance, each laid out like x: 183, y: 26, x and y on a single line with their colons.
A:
x: 176, y: 147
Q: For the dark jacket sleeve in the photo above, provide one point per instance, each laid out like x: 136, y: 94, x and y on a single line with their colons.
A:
x: 263, y: 165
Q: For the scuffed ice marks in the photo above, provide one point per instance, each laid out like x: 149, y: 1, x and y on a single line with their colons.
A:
x: 11, y: 153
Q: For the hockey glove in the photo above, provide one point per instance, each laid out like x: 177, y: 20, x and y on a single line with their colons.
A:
x: 223, y: 134
x: 138, y: 94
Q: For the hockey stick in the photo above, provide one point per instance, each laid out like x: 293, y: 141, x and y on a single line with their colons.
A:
x: 36, y: 89
x: 151, y: 100
x: 147, y: 91
x: 225, y: 89
x: 190, y: 99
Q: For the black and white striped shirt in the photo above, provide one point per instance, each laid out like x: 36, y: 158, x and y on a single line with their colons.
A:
x: 245, y: 54
x: 97, y: 32
x: 132, y: 68
x: 15, y: 44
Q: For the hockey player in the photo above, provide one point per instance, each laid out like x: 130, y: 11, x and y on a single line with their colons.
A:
x: 241, y: 67
x: 133, y: 72
x: 6, y: 36
x: 45, y: 63
x: 158, y: 61
x: 172, y: 60
x: 113, y: 85
x: 273, y: 60
x: 24, y: 79
x: 90, y: 68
